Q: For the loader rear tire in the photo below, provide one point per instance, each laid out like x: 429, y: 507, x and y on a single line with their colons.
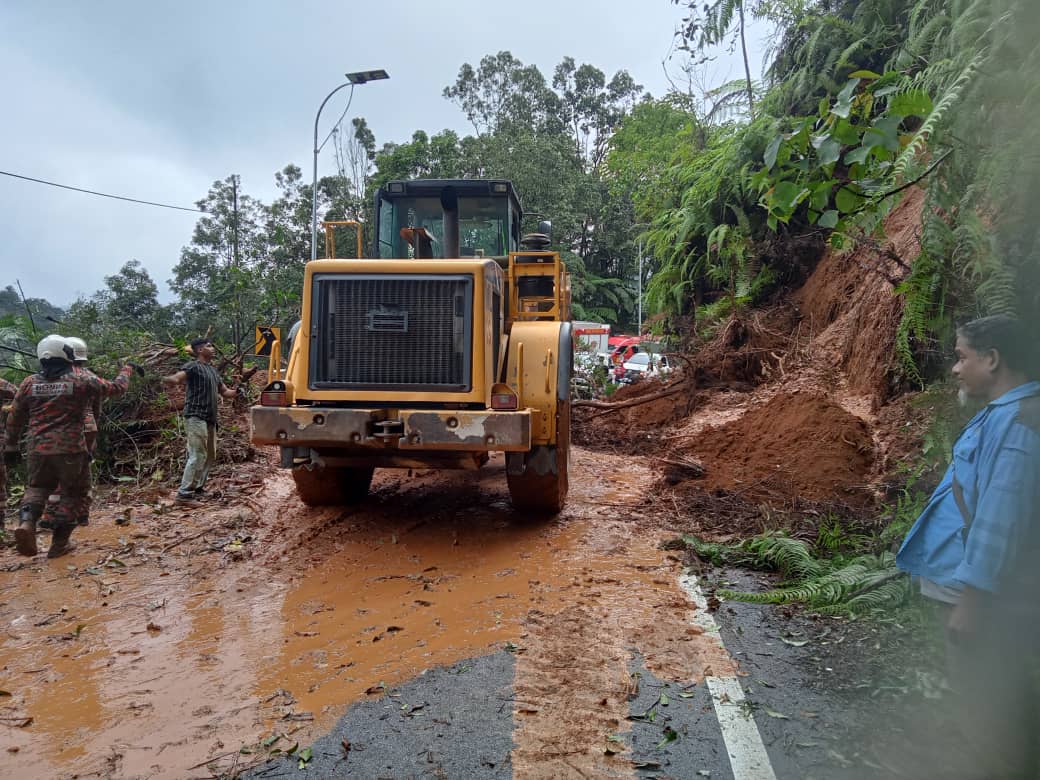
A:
x: 546, y: 494
x: 331, y: 486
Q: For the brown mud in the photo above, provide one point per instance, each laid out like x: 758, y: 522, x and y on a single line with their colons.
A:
x: 188, y: 633
x: 798, y: 445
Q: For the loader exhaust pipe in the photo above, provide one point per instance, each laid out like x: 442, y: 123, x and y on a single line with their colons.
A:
x: 450, y: 204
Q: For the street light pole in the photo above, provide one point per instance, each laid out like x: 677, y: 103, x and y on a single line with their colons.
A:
x: 353, y: 79
x: 640, y: 299
x: 314, y: 180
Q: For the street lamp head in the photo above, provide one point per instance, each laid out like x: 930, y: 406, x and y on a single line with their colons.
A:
x: 353, y: 79
x: 365, y: 76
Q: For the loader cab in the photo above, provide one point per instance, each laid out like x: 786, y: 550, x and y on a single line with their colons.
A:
x: 446, y: 218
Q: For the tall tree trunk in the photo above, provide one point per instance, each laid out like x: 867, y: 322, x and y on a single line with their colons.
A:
x: 747, y: 67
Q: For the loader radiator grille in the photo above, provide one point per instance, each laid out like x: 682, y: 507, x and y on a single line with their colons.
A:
x: 392, y: 332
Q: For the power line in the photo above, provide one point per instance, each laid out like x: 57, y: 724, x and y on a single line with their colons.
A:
x: 100, y: 194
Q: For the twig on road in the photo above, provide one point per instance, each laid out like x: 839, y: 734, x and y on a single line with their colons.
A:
x: 169, y: 547
x: 214, y: 758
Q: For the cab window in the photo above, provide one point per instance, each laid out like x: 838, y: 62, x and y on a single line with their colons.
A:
x: 484, y: 226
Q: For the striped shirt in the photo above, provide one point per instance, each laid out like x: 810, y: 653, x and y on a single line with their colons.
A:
x: 200, y: 397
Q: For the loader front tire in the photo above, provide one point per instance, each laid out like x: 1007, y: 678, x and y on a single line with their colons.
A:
x: 331, y: 486
x: 545, y: 493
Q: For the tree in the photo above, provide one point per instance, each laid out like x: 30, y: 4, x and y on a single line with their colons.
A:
x: 131, y: 298
x: 591, y: 107
x: 288, y: 232
x: 11, y: 303
x: 644, y: 146
x: 439, y: 157
x: 355, y: 154
x: 712, y: 23
x: 502, y: 91
x: 218, y: 275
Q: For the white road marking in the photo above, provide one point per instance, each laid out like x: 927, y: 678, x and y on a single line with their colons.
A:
x: 748, y: 758
x: 747, y: 755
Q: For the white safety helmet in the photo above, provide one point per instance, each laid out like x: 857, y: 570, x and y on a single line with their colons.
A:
x: 79, y: 348
x: 54, y: 346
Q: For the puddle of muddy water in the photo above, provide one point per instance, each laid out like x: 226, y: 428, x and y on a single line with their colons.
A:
x: 122, y: 671
x: 239, y: 654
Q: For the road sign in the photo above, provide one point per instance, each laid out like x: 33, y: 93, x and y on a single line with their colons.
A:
x: 266, y: 336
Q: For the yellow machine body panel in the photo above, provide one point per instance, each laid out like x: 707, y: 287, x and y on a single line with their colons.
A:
x: 533, y: 373
x: 487, y: 283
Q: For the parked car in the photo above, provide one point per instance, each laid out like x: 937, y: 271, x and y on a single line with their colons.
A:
x: 640, y: 365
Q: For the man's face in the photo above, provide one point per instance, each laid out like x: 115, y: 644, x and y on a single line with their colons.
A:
x: 974, y: 371
x: 207, y: 350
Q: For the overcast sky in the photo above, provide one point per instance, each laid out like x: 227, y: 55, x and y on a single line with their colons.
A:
x: 158, y: 100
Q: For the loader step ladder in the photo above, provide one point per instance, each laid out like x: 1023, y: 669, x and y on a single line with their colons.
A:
x: 539, y: 287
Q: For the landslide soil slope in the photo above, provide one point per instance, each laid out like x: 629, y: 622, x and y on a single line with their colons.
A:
x: 787, y: 414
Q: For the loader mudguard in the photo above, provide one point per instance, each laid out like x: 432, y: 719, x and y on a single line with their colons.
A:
x: 541, y: 357
x: 539, y: 367
x: 566, y: 363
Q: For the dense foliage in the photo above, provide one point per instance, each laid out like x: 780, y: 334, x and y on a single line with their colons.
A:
x: 864, y: 100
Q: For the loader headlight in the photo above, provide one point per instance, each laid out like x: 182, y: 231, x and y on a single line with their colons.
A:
x: 274, y: 395
x: 503, y: 398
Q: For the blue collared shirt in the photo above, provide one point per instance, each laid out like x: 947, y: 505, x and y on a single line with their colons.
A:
x: 996, y: 460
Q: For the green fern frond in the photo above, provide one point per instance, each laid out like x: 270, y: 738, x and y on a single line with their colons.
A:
x: 920, y: 140
x: 889, y: 595
x: 862, y: 585
x: 793, y: 558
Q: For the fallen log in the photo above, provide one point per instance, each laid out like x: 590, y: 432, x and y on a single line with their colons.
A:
x: 679, y: 469
x: 613, y: 407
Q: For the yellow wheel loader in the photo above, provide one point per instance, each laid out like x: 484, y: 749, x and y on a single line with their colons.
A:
x: 451, y: 342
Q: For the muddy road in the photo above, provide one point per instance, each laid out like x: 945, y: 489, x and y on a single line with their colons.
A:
x: 200, y: 641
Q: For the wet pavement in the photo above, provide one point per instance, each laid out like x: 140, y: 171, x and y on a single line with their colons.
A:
x: 147, y: 651
x: 434, y: 630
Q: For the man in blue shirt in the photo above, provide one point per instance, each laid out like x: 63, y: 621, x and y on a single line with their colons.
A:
x: 975, y: 545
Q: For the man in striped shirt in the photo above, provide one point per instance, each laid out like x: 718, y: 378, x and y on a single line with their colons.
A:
x: 203, y: 385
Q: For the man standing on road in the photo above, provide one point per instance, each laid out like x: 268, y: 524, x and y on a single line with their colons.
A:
x: 200, y: 415
x: 975, y: 546
x: 51, y: 405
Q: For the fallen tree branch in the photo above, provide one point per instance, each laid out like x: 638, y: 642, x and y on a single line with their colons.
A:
x: 927, y: 172
x: 613, y: 407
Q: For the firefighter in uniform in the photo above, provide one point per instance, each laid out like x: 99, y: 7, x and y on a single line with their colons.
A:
x: 7, y: 392
x: 51, y: 406
x: 90, y: 427
x: 93, y: 415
